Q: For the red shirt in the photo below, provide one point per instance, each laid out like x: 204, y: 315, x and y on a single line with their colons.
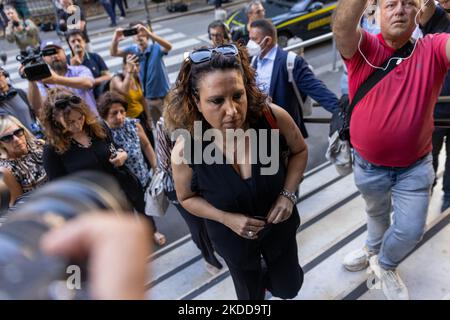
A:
x: 393, y: 124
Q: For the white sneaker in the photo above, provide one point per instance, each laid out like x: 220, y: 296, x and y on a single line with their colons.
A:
x: 391, y: 283
x: 212, y: 270
x: 357, y: 260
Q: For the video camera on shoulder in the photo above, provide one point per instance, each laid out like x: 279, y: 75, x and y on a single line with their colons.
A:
x: 35, y: 67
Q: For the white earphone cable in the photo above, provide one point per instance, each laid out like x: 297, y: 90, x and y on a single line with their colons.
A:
x: 399, y: 60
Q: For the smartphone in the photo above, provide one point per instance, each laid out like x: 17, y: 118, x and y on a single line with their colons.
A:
x: 130, y: 32
x: 112, y: 151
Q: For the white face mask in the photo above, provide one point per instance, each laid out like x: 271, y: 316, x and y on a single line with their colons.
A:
x: 254, y: 49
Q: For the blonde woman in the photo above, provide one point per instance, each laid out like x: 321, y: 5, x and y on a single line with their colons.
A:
x: 21, y: 158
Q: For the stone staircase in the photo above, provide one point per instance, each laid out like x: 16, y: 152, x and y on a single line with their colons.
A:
x: 333, y: 223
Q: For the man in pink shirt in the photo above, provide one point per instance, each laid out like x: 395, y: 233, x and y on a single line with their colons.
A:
x: 390, y: 130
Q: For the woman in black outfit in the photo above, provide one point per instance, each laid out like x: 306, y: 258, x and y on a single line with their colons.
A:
x: 77, y: 141
x: 196, y: 225
x: 248, y: 203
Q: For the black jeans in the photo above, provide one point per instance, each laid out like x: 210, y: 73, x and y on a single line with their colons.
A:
x: 441, y: 135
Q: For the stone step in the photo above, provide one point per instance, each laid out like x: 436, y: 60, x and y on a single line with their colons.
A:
x: 333, y: 224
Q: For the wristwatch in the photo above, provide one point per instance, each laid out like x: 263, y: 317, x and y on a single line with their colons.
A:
x: 290, y: 195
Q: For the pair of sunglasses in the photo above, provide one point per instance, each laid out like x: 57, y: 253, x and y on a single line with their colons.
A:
x: 203, y: 55
x: 9, y: 137
x: 65, y: 102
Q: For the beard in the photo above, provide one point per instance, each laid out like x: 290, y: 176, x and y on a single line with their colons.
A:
x: 60, y: 67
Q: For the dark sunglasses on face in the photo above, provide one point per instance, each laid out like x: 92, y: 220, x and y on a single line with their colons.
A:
x: 9, y: 137
x: 203, y: 55
x: 65, y: 102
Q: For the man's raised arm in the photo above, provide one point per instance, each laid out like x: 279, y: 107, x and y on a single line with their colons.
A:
x: 346, y: 25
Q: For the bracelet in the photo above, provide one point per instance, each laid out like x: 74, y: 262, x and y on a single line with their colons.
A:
x: 290, y: 195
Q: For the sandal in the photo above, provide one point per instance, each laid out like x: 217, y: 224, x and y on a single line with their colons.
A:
x: 159, y: 238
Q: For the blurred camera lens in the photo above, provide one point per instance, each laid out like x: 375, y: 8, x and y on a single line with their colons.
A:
x: 26, y: 273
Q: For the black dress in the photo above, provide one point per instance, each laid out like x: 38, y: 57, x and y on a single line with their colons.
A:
x: 95, y: 157
x: 276, y: 246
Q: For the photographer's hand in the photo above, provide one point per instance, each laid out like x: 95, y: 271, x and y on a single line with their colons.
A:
x: 75, y: 60
x: 166, y: 45
x: 117, y: 248
x: 118, y: 35
x: 53, y: 79
x: 132, y: 62
x: 17, y: 26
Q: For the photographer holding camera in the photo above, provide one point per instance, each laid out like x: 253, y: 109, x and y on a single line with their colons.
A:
x: 21, y: 31
x: 78, y: 79
x: 153, y: 73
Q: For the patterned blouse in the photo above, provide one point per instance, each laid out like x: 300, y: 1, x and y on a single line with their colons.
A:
x: 126, y: 137
x: 29, y: 169
x: 164, y: 146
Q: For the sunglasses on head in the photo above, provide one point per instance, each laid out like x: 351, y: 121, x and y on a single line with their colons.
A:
x: 65, y: 102
x: 9, y: 137
x: 203, y: 55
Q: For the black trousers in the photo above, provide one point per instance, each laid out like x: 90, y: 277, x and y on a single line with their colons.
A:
x: 269, y: 262
x: 283, y: 276
x: 198, y: 231
x: 147, y: 129
x: 441, y: 135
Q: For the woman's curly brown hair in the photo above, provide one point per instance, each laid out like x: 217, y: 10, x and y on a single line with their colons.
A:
x: 56, y: 135
x: 181, y: 110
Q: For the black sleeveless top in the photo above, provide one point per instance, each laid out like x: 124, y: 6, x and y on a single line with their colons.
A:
x: 223, y: 187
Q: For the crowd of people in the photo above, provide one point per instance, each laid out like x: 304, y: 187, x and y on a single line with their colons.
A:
x: 85, y: 117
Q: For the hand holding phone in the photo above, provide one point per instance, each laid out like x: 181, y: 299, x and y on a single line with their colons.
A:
x: 130, y: 32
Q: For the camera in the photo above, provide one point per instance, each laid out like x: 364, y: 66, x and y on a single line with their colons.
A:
x: 35, y: 67
x: 27, y: 273
x: 130, y: 32
x: 16, y: 23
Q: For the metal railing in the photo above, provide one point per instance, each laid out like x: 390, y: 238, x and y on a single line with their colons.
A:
x: 441, y: 123
x: 310, y: 42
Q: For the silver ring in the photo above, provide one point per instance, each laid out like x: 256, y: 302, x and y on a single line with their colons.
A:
x: 250, y: 233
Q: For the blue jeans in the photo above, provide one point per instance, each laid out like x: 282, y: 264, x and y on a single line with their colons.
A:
x: 406, y: 192
x: 118, y: 3
x: 109, y: 10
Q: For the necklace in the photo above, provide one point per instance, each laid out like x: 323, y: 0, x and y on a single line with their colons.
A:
x: 81, y: 145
